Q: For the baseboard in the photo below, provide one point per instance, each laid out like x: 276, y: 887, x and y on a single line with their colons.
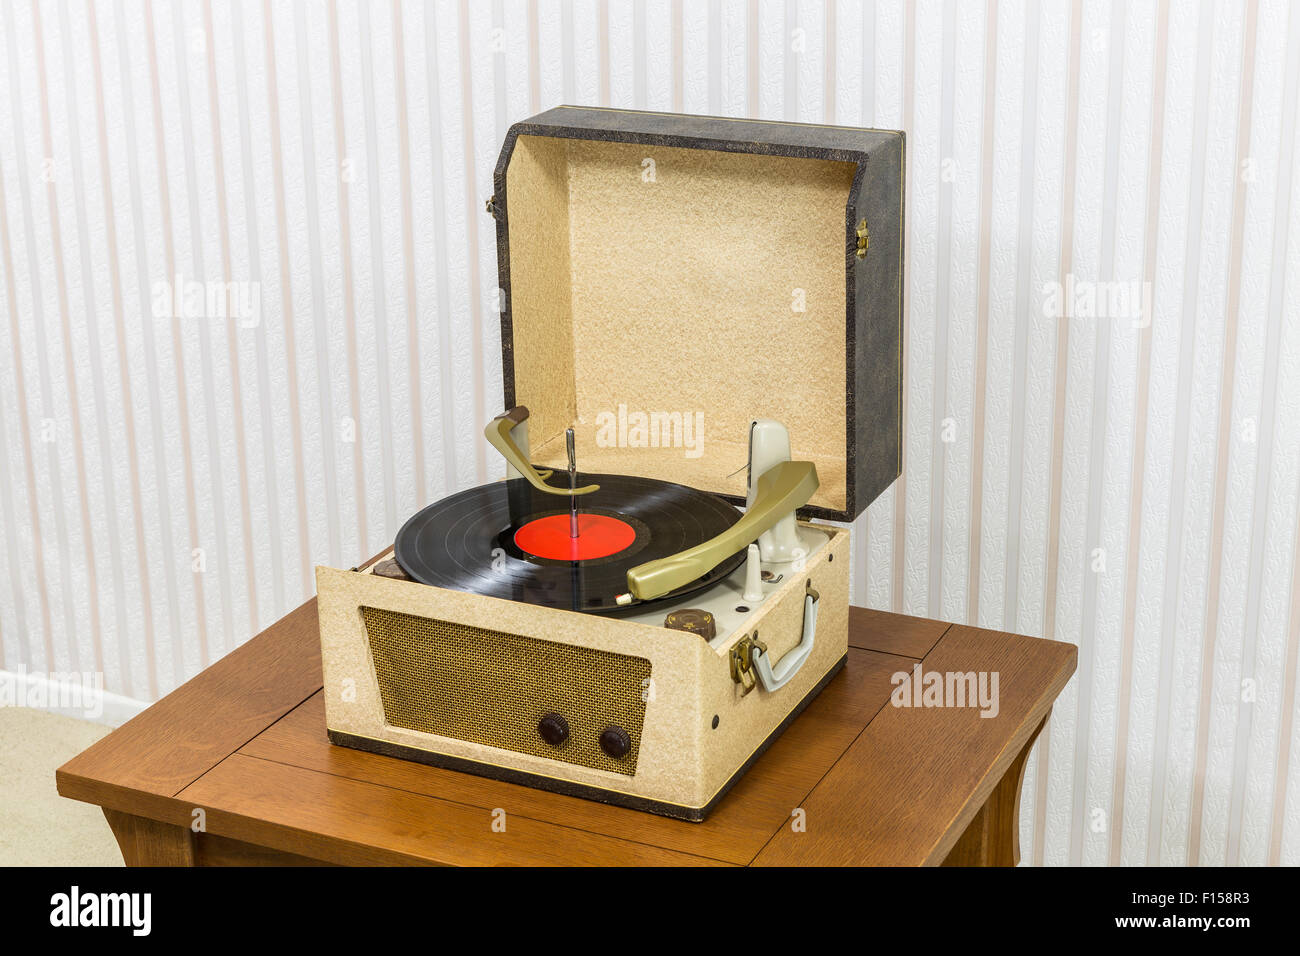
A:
x: 72, y: 695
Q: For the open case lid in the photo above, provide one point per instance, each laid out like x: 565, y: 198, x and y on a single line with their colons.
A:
x: 667, y: 278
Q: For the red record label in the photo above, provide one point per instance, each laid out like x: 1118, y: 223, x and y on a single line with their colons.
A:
x: 598, y: 536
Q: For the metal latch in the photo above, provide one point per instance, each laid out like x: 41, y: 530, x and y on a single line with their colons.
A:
x: 742, y: 661
x: 491, y: 206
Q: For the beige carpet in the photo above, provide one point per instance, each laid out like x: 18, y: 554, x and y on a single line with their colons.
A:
x: 37, y: 826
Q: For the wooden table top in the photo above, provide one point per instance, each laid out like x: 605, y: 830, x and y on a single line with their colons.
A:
x: 245, y: 743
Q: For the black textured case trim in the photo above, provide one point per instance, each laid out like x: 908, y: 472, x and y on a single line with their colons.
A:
x: 568, y: 788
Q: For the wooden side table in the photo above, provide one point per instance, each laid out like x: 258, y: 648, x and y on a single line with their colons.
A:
x: 234, y: 768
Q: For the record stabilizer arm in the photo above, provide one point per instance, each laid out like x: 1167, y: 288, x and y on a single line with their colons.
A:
x: 778, y: 492
x: 507, y: 433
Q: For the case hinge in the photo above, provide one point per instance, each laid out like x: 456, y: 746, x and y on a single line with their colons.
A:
x: 864, y: 238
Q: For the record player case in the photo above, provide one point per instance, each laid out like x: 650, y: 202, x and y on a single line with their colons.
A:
x: 657, y: 263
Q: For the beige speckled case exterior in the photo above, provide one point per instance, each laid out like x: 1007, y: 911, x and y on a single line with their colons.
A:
x: 686, y: 761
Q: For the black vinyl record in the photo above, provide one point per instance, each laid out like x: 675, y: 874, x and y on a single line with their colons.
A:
x: 471, y: 541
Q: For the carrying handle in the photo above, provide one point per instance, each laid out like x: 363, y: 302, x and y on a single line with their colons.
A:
x: 775, y: 677
x: 498, y: 436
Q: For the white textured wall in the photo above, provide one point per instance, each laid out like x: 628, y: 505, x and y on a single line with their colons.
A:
x: 339, y: 155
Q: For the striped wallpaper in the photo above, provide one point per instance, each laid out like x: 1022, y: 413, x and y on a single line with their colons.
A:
x: 1129, y: 485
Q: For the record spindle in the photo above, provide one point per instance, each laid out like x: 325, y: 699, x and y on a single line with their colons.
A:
x: 573, y: 482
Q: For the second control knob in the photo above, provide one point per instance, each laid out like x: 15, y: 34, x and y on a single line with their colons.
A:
x: 615, y: 741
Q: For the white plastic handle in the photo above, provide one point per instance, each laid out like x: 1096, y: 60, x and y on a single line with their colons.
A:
x: 774, y: 678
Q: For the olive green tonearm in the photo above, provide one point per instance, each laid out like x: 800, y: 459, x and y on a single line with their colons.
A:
x: 781, y: 489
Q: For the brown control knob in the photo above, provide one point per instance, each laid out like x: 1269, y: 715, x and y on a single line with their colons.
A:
x: 615, y: 741
x: 554, y: 729
x: 692, y: 619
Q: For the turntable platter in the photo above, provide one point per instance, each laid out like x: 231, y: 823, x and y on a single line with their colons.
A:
x: 509, y: 541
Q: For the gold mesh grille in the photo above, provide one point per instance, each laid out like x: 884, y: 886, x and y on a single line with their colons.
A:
x: 490, y: 687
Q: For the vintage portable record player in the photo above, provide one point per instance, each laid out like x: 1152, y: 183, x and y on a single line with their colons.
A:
x: 698, y: 313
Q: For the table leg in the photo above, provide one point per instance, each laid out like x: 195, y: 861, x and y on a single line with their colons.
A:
x: 146, y: 842
x: 992, y: 838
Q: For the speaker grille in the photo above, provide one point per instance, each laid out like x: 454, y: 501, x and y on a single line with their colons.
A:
x: 490, y: 687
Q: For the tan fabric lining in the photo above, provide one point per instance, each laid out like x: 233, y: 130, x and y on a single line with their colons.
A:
x: 673, y: 288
